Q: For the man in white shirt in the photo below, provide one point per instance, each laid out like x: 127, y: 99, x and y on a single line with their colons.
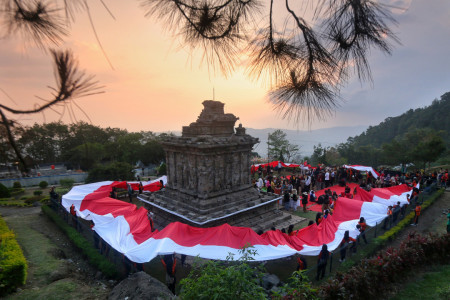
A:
x: 327, y: 179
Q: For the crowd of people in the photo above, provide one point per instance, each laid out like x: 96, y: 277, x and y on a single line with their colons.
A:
x: 300, y: 186
x: 299, y: 189
x: 303, y: 182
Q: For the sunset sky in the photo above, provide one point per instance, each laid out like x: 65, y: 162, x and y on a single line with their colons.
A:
x: 157, y: 86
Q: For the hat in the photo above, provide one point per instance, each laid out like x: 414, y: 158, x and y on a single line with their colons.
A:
x: 305, y: 193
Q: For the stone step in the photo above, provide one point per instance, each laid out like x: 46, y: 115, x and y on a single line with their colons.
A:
x: 226, y: 204
x: 218, y: 211
x: 282, y: 221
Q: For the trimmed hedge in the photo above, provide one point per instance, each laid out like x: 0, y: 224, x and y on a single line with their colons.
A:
x: 43, y: 184
x: 13, y: 265
x: 4, y: 191
x: 33, y: 199
x: 94, y: 257
x: 66, y: 183
x: 15, y: 204
x: 17, y: 191
x: 17, y: 185
x: 61, y: 190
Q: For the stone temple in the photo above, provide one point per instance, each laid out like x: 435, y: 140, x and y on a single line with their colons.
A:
x: 209, y: 179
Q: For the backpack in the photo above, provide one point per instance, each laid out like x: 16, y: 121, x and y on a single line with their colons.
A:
x: 323, y: 260
x: 321, y: 199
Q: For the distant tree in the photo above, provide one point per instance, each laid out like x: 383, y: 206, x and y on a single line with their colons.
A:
x: 112, y: 171
x: 397, y: 152
x: 279, y: 146
x: 347, y: 150
x: 85, y: 156
x: 422, y: 145
x: 367, y: 155
x: 7, y: 154
x: 128, y: 147
x: 444, y: 159
x: 151, y: 152
x: 43, y: 143
x: 82, y: 132
x: 319, y: 155
x: 334, y: 158
x: 292, y: 153
x: 428, y: 149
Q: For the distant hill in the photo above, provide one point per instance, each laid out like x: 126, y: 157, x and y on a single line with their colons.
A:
x: 306, y: 139
x: 436, y: 116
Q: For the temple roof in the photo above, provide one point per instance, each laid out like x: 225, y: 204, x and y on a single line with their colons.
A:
x: 212, y: 121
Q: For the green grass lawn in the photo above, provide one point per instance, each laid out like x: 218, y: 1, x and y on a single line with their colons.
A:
x: 432, y: 284
x: 310, y: 215
x: 37, y: 249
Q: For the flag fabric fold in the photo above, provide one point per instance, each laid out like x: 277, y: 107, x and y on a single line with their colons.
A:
x: 127, y: 229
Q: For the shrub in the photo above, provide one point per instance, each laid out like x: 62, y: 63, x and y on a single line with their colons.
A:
x: 13, y: 264
x: 33, y: 199
x: 368, y: 280
x: 62, y: 191
x: 298, y: 288
x: 4, y: 191
x: 444, y: 293
x: 15, y: 192
x: 213, y: 280
x: 45, y: 200
x: 67, y: 183
x: 17, y: 185
x: 43, y: 184
x: 37, y: 193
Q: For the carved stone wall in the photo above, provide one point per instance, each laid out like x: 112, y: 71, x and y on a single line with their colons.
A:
x: 208, y: 170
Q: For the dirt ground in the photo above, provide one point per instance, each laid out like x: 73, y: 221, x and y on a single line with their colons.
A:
x: 432, y: 220
x: 90, y: 283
